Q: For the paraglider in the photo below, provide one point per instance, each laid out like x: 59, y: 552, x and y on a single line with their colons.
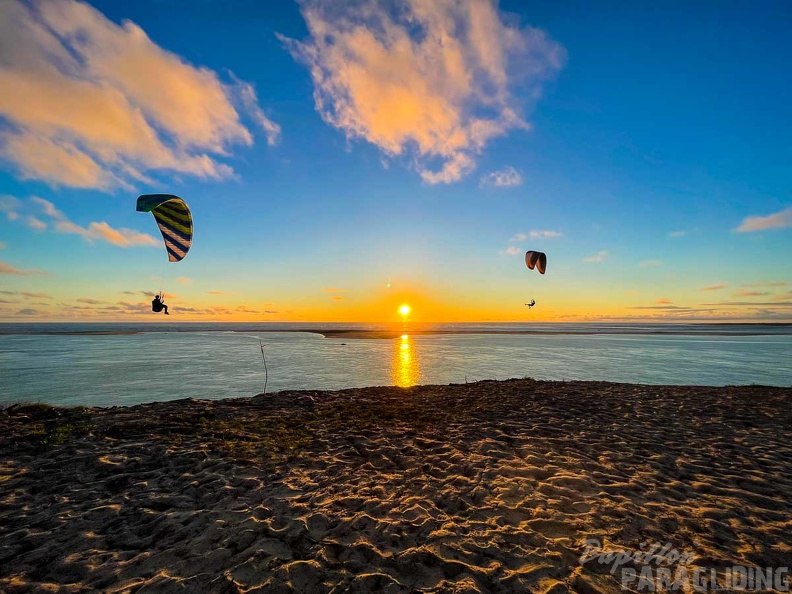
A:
x: 536, y: 260
x: 175, y: 223
x: 157, y: 304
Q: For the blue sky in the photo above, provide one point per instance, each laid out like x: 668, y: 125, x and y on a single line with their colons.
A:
x: 648, y: 157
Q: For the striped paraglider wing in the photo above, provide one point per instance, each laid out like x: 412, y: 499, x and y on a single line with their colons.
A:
x: 174, y: 220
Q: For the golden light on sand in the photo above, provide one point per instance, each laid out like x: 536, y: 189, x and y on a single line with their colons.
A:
x: 404, y: 310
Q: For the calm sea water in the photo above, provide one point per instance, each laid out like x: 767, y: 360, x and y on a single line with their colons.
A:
x: 131, y: 364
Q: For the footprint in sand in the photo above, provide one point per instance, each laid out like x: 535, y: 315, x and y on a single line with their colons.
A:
x: 552, y: 528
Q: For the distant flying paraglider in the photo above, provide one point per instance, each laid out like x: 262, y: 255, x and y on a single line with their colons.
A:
x: 175, y: 223
x: 536, y: 260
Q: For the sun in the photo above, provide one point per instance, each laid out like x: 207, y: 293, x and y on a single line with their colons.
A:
x: 404, y: 310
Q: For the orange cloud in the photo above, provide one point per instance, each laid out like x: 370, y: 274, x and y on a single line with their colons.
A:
x: 748, y: 293
x: 777, y: 220
x: 8, y: 269
x: 103, y: 231
x: 95, y: 231
x: 96, y: 105
x: 429, y: 78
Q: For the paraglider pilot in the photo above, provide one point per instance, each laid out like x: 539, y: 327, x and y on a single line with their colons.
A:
x: 157, y: 304
x: 531, y: 304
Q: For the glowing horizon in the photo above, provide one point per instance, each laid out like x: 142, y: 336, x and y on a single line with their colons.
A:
x: 335, y: 179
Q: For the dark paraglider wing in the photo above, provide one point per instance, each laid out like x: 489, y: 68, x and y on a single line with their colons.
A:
x: 536, y: 260
x: 541, y: 265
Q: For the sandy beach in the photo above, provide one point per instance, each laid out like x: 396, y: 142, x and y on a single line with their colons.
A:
x: 481, y: 487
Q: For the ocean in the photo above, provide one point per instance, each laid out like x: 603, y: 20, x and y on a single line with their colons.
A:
x: 124, y: 364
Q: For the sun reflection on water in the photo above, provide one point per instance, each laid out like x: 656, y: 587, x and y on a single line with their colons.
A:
x: 405, y: 370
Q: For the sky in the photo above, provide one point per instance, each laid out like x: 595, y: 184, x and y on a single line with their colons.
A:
x: 342, y: 159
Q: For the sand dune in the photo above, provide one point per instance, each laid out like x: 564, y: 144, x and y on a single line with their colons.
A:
x: 485, y: 487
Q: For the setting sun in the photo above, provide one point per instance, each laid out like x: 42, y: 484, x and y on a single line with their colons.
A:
x: 404, y: 310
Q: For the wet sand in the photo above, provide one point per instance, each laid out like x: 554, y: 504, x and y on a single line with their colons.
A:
x: 483, y: 487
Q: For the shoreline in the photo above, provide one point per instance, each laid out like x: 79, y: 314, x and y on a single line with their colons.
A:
x: 488, y: 486
x: 395, y: 331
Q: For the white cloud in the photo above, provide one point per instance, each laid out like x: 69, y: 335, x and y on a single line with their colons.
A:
x: 247, y: 95
x: 35, y: 223
x: 9, y: 205
x: 675, y: 234
x: 713, y: 288
x: 47, y: 207
x: 545, y: 234
x: 650, y: 264
x: 429, y: 79
x: 596, y: 258
x: 93, y: 104
x: 513, y: 250
x: 508, y: 177
x: 777, y: 220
